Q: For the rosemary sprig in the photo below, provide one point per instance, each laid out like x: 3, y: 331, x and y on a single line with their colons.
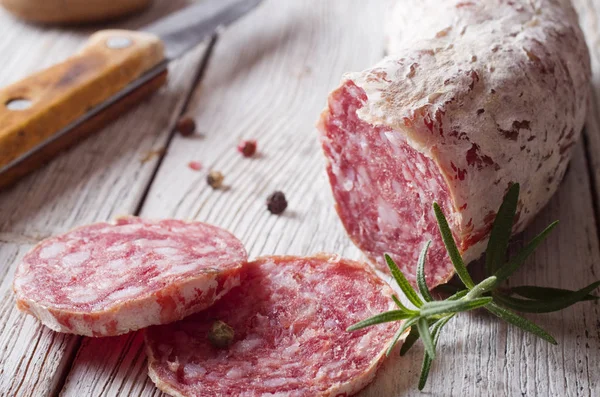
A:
x: 429, y: 316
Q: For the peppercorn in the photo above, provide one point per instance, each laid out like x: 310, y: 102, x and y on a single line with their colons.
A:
x: 247, y: 148
x: 221, y: 335
x: 195, y: 165
x: 186, y: 126
x: 215, y: 179
x: 276, y: 203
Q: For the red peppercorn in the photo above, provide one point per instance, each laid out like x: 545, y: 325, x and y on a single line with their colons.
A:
x: 247, y: 148
x: 186, y: 126
x: 195, y: 165
x: 276, y: 203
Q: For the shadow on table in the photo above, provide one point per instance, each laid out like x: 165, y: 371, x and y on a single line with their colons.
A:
x: 110, y: 363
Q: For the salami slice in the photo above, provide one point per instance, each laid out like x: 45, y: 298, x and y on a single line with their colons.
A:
x: 289, y: 317
x: 111, y: 278
x: 475, y: 96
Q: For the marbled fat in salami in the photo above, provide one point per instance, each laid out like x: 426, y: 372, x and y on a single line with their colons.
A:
x: 475, y: 96
x: 289, y: 316
x: 111, y: 278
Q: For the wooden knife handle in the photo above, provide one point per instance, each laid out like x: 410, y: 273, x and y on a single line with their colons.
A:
x: 75, y: 135
x: 34, y: 109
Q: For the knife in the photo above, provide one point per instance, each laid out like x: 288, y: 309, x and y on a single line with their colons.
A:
x: 53, y: 109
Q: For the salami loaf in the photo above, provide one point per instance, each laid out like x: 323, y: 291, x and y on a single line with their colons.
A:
x: 473, y: 97
x: 289, y: 318
x: 111, y: 278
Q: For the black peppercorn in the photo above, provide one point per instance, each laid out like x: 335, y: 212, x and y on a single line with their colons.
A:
x: 186, y: 126
x: 276, y: 203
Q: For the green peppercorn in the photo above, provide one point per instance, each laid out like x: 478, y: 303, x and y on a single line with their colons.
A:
x: 221, y: 335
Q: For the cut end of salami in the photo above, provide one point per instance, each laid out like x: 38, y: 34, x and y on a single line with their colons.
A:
x: 107, y: 279
x: 386, y: 205
x: 290, y: 316
x: 474, y: 97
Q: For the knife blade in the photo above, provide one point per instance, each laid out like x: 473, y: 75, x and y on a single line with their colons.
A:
x: 53, y: 109
x: 180, y: 31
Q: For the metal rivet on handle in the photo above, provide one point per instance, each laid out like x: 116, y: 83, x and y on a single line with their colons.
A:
x: 18, y: 104
x: 118, y: 42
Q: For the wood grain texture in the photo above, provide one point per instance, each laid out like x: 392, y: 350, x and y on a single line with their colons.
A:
x: 481, y: 356
x: 272, y: 91
x: 32, y: 357
x: 105, y: 176
x: 268, y: 81
x: 589, y: 19
x: 264, y: 81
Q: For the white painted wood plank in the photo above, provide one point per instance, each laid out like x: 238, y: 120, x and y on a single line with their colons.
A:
x: 267, y: 80
x: 27, y: 48
x: 32, y: 357
x: 589, y: 19
x: 89, y: 183
x: 98, y: 180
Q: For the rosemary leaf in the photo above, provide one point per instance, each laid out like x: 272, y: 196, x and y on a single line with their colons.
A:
x: 513, y: 264
x: 413, y: 336
x: 481, y: 288
x: 451, y: 247
x: 534, y: 292
x: 425, y: 368
x: 427, y: 359
x: 443, y: 307
x: 398, y: 334
x: 425, y: 334
x: 410, y: 340
x: 423, y: 328
x: 401, y: 306
x: 495, y: 253
x: 548, y: 305
x: 421, y: 283
x: 458, y: 295
x: 403, y: 282
x: 427, y: 320
x: 392, y: 315
x: 520, y: 322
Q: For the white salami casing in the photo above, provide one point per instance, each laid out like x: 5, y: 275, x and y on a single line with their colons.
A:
x: 289, y: 316
x: 474, y: 96
x: 107, y: 279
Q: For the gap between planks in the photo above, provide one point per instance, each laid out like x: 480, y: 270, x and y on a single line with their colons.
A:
x: 195, y: 81
x: 99, y: 179
x: 269, y: 82
x: 172, y: 131
x: 512, y: 362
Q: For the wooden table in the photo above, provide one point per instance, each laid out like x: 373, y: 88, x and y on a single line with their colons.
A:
x: 267, y: 78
